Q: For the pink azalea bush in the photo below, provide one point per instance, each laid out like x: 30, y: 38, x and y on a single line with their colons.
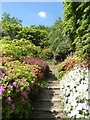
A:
x: 15, y: 88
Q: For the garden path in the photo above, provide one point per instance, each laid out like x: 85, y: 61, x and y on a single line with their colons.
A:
x: 47, y: 105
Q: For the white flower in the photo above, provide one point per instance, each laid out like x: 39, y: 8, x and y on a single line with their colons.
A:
x: 72, y: 85
x: 78, y: 116
x: 73, y: 113
x: 80, y: 106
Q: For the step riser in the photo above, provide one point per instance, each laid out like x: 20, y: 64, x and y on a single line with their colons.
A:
x: 53, y: 84
x: 48, y: 96
x: 53, y: 87
x: 47, y: 105
x: 50, y: 91
x: 46, y: 115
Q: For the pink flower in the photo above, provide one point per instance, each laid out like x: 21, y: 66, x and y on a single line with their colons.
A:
x: 10, y: 86
x: 14, y: 84
x: 24, y: 93
x: 1, y: 89
x: 28, y: 88
x: 84, y: 65
x: 9, y: 100
x: 39, y: 74
x: 13, y: 106
x: 21, y: 80
x: 17, y: 87
x: 3, y: 75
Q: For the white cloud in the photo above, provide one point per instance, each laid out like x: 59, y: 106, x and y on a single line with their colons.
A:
x: 42, y: 14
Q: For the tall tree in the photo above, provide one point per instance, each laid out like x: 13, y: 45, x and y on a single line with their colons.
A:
x: 56, y: 39
x: 7, y: 18
x: 10, y: 25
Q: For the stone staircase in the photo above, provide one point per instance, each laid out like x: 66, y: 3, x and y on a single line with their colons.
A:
x: 47, y: 105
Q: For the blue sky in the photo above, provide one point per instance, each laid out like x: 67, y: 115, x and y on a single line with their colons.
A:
x: 34, y: 13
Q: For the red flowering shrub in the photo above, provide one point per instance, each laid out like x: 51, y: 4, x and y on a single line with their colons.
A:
x: 37, y: 61
x: 70, y: 65
x: 66, y: 65
x: 71, y: 62
x: 38, y: 71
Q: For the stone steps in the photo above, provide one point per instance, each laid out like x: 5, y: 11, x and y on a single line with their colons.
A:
x: 47, y: 105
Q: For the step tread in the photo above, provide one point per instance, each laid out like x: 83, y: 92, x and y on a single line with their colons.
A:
x: 49, y: 96
x: 53, y: 87
x: 47, y: 114
x: 53, y: 81
x: 49, y: 100
x: 50, y: 91
x: 58, y: 110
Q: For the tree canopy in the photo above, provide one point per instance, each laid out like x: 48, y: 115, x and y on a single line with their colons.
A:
x: 12, y: 27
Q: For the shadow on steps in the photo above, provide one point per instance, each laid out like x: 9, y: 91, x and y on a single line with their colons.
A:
x: 51, y: 76
x: 46, y: 105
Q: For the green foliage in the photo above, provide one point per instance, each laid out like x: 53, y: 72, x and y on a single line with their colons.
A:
x: 37, y: 36
x: 56, y: 38
x: 19, y: 48
x: 12, y: 27
x: 47, y: 54
x: 0, y: 30
x: 70, y: 22
x: 7, y: 18
x: 83, y: 30
x: 22, y: 71
x: 77, y: 27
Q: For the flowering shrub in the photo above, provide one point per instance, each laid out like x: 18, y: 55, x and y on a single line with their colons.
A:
x: 15, y: 87
x: 84, y: 64
x: 37, y: 61
x: 3, y: 59
x: 75, y: 92
x: 69, y: 63
x: 19, y: 48
x: 65, y: 66
x: 38, y: 71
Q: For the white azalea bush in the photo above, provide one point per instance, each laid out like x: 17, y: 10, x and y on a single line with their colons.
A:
x: 75, y: 93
